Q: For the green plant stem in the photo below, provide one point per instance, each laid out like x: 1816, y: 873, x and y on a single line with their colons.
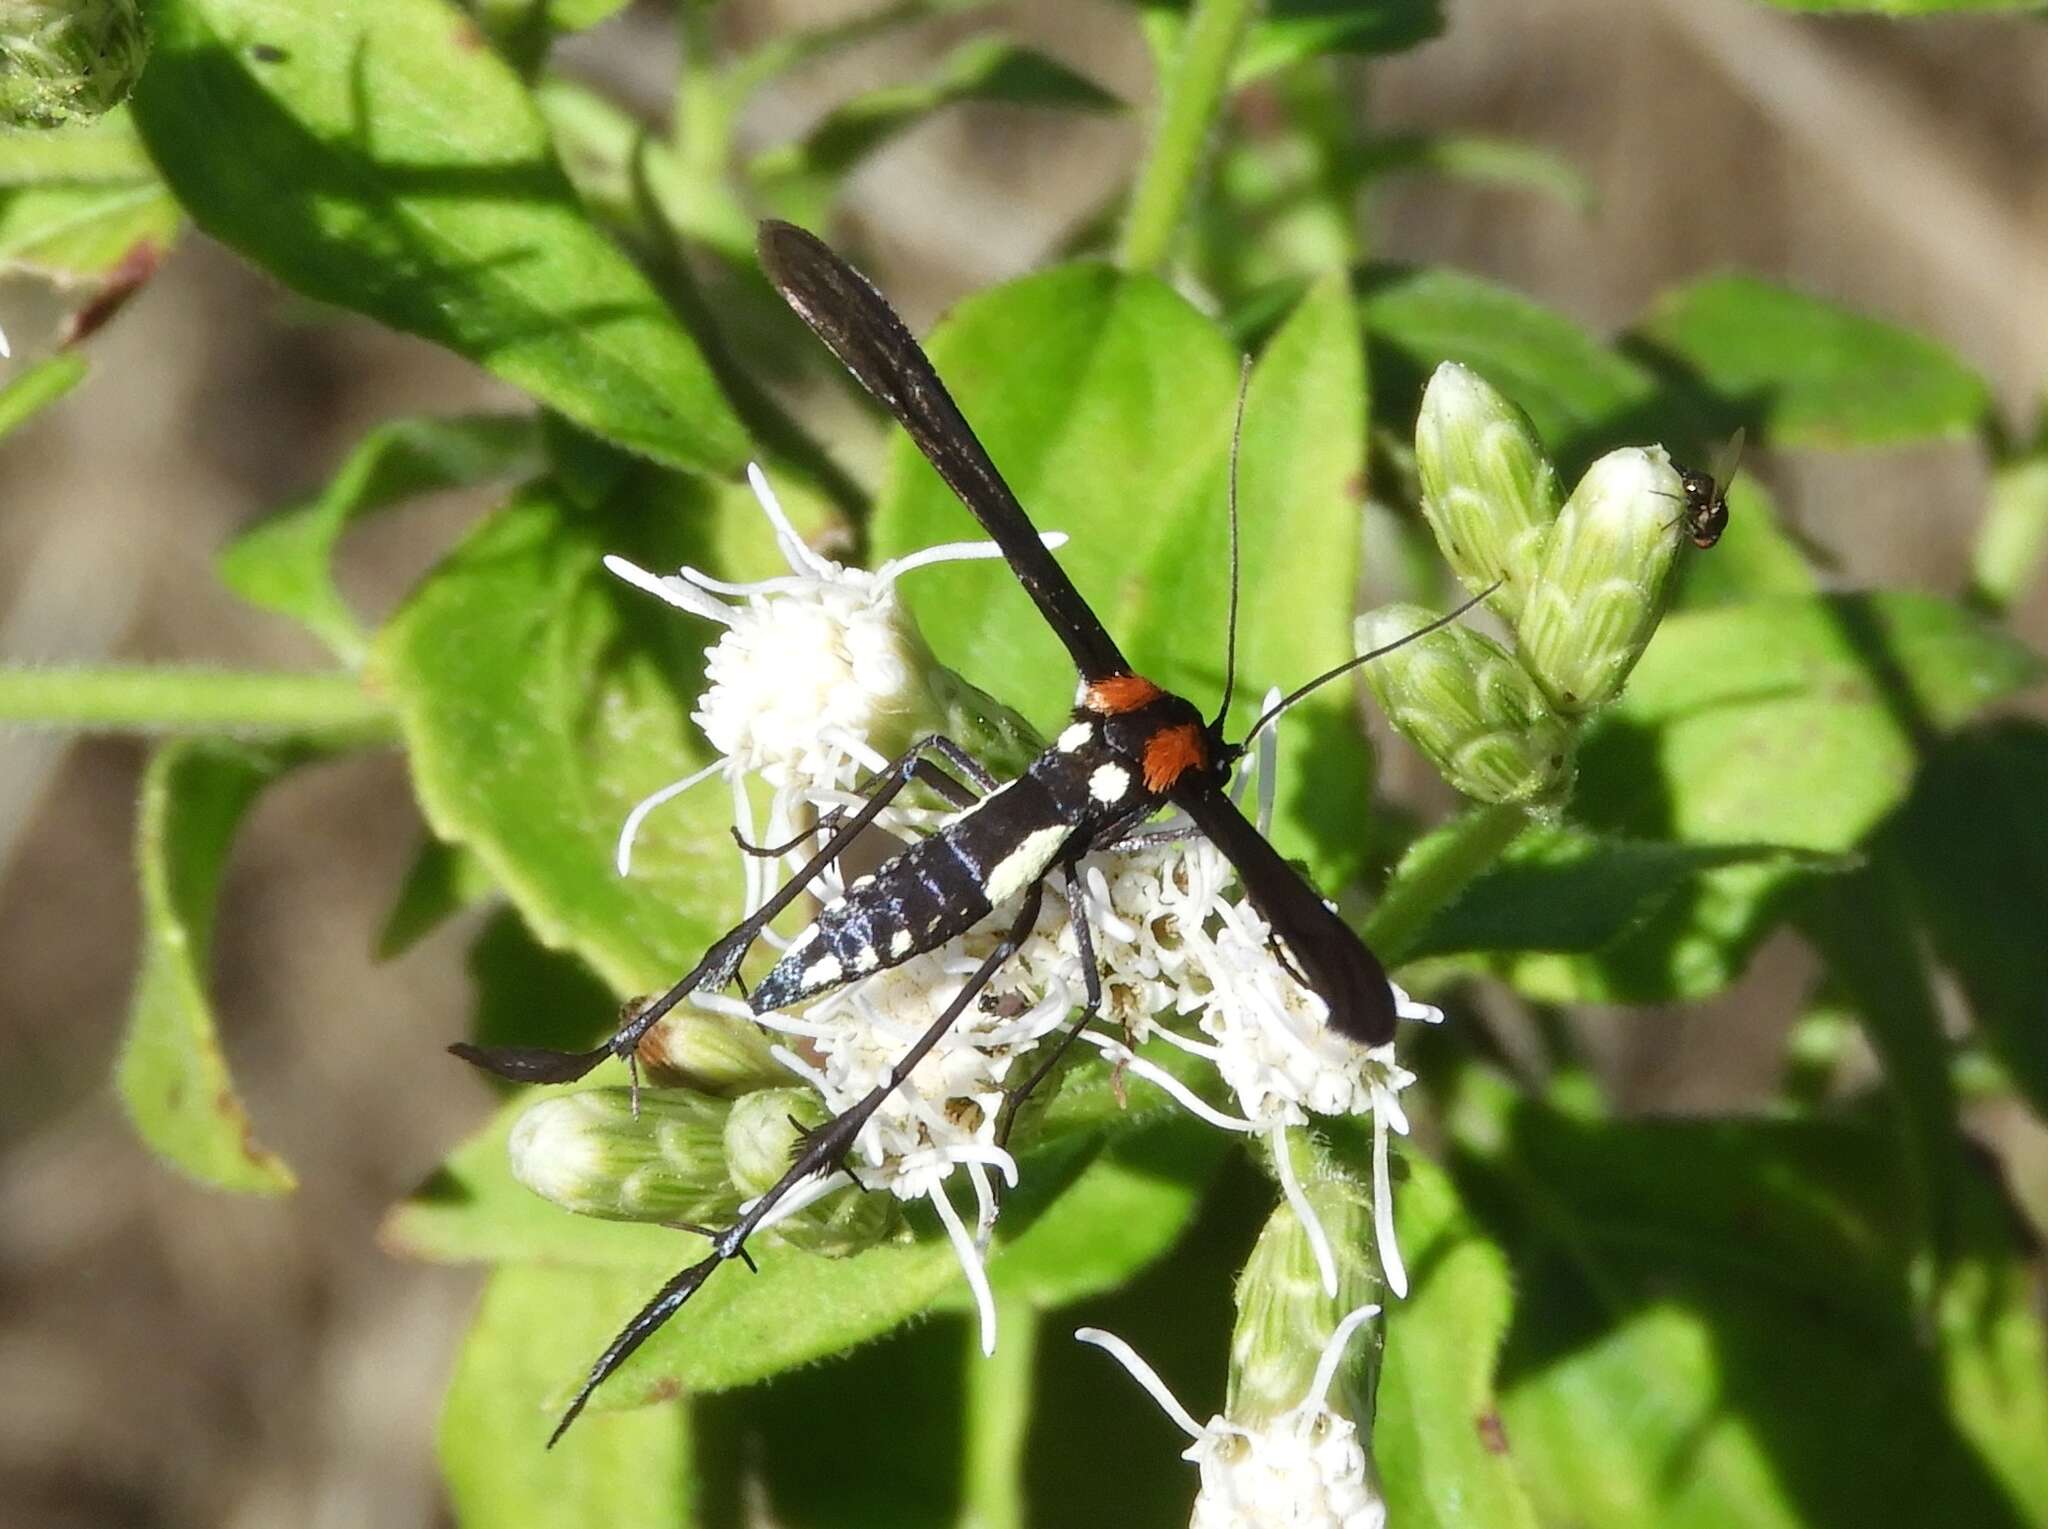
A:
x: 1426, y: 883
x: 1191, y: 95
x: 164, y: 700
x: 999, y: 1418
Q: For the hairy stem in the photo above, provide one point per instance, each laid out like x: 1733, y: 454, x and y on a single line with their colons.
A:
x: 1435, y: 872
x: 999, y: 1418
x: 1191, y: 96
x: 165, y: 700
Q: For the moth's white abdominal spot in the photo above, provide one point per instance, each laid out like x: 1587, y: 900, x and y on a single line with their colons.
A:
x: 1024, y: 864
x: 900, y: 943
x: 822, y: 972
x: 1076, y: 736
x: 1109, y: 783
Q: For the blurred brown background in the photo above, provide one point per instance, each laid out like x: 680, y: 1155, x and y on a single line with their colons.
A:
x: 172, y: 1357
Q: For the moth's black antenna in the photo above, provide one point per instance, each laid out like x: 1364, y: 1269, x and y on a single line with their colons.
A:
x: 1352, y: 663
x: 1244, y: 383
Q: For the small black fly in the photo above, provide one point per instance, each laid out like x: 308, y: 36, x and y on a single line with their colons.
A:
x: 1705, y: 515
x: 1129, y: 750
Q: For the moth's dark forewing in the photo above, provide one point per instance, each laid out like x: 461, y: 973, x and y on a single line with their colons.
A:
x: 1335, y: 960
x: 862, y: 330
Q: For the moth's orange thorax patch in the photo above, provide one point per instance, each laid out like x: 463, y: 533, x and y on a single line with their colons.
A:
x: 1170, y: 753
x: 1120, y: 693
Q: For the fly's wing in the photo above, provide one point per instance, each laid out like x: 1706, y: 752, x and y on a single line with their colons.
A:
x: 1728, y: 461
x: 1333, y: 958
x: 863, y: 331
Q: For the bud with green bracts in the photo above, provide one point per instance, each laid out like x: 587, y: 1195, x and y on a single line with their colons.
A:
x: 67, y: 60
x: 1463, y: 700
x: 1488, y: 490
x: 1285, y: 1314
x: 763, y: 1135
x: 588, y: 1152
x: 998, y: 738
x: 1600, y: 592
x: 719, y: 1054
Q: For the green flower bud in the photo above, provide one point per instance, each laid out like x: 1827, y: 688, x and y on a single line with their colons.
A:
x: 1466, y: 703
x: 67, y: 60
x: 763, y: 1135
x: 1285, y: 1313
x: 990, y: 731
x: 1600, y: 592
x: 718, y: 1054
x: 589, y: 1153
x: 1488, y: 490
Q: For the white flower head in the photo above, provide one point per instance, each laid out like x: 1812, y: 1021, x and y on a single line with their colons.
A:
x: 1308, y: 1466
x: 945, y: 1113
x: 819, y: 675
x: 1169, y: 933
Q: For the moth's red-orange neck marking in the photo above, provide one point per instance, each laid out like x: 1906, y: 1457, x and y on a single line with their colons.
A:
x: 1120, y: 693
x: 1171, y: 752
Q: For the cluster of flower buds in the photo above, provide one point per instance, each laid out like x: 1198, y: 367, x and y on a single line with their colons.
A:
x: 1292, y: 1444
x: 1579, y: 581
x: 68, y: 60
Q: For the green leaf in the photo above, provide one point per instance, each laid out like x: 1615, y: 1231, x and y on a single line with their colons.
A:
x: 800, y: 1308
x: 535, y: 1325
x: 386, y: 161
x: 1994, y: 1354
x: 171, y: 1074
x: 103, y: 151
x: 1861, y: 928
x: 1107, y: 401
x: 1975, y: 845
x: 1476, y: 157
x: 1811, y: 373
x: 1575, y: 389
x: 1795, y: 723
x: 38, y: 387
x: 1563, y: 889
x: 1128, y: 1209
x: 81, y: 203
x: 983, y: 69
x: 442, y: 880
x: 285, y: 563
x: 1713, y: 1327
x: 471, y: 1210
x: 79, y: 233
x: 540, y: 698
x: 1084, y: 1218
x: 1443, y: 1453
x: 1293, y: 31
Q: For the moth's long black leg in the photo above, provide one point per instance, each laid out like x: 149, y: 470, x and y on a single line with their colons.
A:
x: 928, y: 774
x: 535, y: 1064
x: 1091, y: 978
x: 822, y: 1153
x: 1151, y: 838
x: 966, y: 764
